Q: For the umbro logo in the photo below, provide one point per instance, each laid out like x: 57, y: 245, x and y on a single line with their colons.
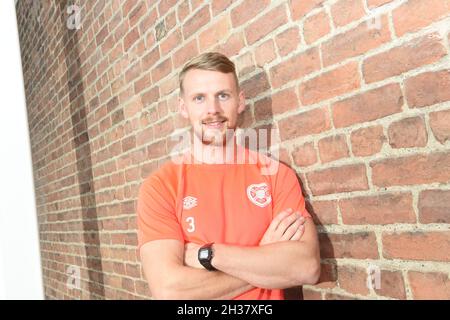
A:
x: 189, y: 202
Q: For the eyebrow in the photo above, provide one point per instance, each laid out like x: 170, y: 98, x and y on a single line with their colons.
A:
x: 218, y: 92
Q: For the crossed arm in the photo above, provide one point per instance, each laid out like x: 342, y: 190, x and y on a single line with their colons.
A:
x: 287, y: 256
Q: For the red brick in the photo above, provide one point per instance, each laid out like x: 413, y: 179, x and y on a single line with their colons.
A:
x: 284, y: 157
x: 330, y: 84
x: 150, y: 97
x: 299, y: 8
x: 429, y: 285
x: 340, y: 179
x: 266, y: 24
x: 354, y: 42
x: 428, y: 88
x: 333, y: 148
x: 218, y: 6
x: 165, y: 5
x: 416, y: 14
x: 196, y: 4
x: 411, y: 55
x: 256, y: 85
x: 408, y: 133
x: 316, y: 27
x: 284, y: 100
x: 353, y: 279
x: 246, y: 11
x: 137, y: 13
x: 232, y: 45
x: 367, y: 141
x: 304, y: 124
x: 185, y: 53
x: 170, y: 21
x: 162, y: 70
x: 361, y: 245
x: 130, y: 39
x: 367, y: 106
x: 133, y: 72
x: 183, y: 10
x: 147, y: 23
x: 305, y: 155
x: 434, y: 206
x: 376, y: 3
x: 170, y: 42
x: 245, y: 64
x: 335, y: 296
x: 412, y: 170
x: 391, y: 285
x: 323, y: 212
x: 211, y: 36
x: 150, y: 59
x: 309, y: 294
x: 346, y: 11
x: 423, y: 246
x: 379, y: 209
x: 169, y: 85
x: 265, y: 53
x: 288, y: 41
x: 440, y: 125
x: 295, y: 67
x: 198, y: 20
x: 280, y: 102
x: 142, y: 83
x: 133, y: 107
x: 328, y: 276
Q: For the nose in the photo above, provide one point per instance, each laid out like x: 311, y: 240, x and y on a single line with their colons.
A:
x: 213, y: 106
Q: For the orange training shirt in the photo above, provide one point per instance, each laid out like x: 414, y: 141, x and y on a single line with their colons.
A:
x: 222, y: 203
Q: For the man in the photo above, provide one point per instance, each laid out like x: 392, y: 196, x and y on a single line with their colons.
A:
x: 214, y: 227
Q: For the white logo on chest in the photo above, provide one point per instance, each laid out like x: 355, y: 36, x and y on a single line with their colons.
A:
x: 189, y: 202
x: 259, y: 194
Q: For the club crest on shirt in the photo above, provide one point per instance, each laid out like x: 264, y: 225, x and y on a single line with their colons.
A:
x: 259, y: 194
x: 189, y: 202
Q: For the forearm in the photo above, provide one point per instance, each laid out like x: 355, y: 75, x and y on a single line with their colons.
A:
x: 197, y: 284
x: 277, y: 265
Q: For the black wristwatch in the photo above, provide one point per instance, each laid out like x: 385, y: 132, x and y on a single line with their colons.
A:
x: 205, y: 255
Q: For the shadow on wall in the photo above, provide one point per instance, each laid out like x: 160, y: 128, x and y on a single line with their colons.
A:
x: 83, y: 159
x: 263, y: 112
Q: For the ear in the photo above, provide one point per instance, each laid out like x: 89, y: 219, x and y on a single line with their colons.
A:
x: 241, y: 106
x: 182, y: 108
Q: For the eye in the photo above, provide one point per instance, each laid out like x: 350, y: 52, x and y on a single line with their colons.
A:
x: 198, y: 98
x: 224, y: 96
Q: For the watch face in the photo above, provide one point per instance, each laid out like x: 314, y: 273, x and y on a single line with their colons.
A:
x: 203, y: 254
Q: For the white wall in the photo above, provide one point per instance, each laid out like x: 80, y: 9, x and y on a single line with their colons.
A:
x: 20, y: 268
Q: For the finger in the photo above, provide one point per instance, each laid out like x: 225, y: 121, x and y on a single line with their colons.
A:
x: 299, y: 233
x: 280, y: 217
x: 287, y: 235
x: 282, y: 227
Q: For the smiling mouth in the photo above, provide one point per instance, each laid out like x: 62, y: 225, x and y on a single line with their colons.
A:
x: 214, y: 124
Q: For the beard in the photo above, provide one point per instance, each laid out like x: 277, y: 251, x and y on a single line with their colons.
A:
x: 214, y: 131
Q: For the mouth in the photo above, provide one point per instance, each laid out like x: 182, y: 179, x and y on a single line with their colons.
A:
x: 216, y: 124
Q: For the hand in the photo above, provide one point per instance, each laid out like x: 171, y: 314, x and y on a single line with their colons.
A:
x: 284, y: 227
x: 191, y: 255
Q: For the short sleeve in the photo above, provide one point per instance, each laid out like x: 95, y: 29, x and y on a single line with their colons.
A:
x: 287, y: 192
x: 156, y: 211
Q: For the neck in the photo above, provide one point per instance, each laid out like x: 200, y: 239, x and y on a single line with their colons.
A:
x: 214, y: 154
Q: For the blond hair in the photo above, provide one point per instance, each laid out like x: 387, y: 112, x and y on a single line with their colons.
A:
x: 213, y: 61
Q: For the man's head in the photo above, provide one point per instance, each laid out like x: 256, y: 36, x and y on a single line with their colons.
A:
x: 210, y: 96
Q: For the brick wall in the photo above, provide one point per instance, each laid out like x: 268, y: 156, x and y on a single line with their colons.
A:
x: 358, y: 89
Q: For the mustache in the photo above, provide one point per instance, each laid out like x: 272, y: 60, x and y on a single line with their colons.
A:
x: 214, y: 119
